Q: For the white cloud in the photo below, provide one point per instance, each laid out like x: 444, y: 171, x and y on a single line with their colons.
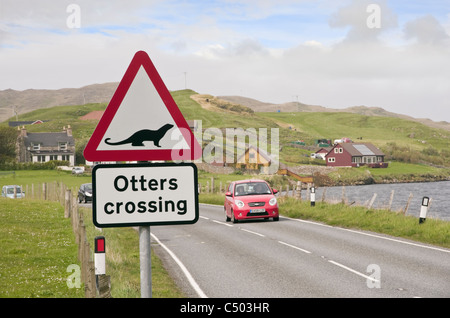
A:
x: 359, y: 15
x: 427, y: 30
x: 322, y: 52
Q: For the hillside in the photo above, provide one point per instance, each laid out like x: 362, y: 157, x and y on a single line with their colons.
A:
x: 12, y: 101
x: 32, y: 99
x: 258, y: 106
x: 402, y: 140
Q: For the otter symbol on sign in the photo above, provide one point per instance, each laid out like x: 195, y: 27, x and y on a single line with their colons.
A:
x: 137, y: 139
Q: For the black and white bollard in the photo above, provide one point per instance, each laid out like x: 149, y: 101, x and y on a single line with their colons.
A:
x: 313, y: 196
x: 99, y: 256
x: 424, y: 209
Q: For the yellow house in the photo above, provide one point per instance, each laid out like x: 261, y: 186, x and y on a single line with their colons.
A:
x: 253, y: 159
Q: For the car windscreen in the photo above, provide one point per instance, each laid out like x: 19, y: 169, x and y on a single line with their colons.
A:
x: 11, y: 190
x: 251, y: 188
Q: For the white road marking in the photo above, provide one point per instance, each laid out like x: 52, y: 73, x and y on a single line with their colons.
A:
x: 259, y: 234
x: 353, y: 271
x: 374, y: 235
x: 188, y: 275
x: 223, y: 223
x: 296, y: 247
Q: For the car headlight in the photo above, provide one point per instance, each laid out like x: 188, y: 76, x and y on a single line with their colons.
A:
x: 239, y: 203
x: 88, y: 194
x: 273, y: 201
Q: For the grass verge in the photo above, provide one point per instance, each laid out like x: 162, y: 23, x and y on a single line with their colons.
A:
x: 37, y: 246
x: 432, y: 231
x: 123, y: 265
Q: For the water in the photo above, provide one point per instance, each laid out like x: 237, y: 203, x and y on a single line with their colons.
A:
x: 439, y: 192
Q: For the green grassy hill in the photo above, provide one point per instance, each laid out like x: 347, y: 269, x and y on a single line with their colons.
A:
x: 378, y: 130
x: 402, y: 140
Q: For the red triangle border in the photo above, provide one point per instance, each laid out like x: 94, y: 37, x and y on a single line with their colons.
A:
x: 91, y: 153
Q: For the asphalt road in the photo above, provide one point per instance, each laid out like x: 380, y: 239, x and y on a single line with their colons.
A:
x: 295, y: 258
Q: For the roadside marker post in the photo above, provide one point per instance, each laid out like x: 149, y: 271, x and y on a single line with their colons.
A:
x: 99, y: 255
x: 424, y: 209
x: 313, y: 196
x: 143, y: 123
x: 99, y: 259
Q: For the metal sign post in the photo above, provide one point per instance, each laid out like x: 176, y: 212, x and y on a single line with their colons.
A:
x: 144, y: 195
x: 138, y: 125
x: 145, y: 261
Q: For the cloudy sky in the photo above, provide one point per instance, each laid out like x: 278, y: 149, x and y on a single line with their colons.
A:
x: 393, y: 54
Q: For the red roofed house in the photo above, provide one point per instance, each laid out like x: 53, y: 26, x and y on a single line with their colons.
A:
x: 350, y: 154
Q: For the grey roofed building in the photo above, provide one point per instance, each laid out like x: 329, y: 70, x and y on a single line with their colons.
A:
x: 43, y: 147
x: 348, y: 154
x: 27, y: 122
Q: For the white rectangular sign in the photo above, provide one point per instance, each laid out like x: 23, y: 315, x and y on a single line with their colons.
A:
x: 144, y: 194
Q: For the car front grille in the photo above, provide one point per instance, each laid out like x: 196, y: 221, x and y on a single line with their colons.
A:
x: 253, y: 204
x: 257, y: 213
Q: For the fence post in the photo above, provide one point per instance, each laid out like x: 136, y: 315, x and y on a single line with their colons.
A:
x: 104, y: 286
x: 323, y: 194
x: 91, y: 289
x: 44, y: 190
x: 344, y: 198
x: 391, y: 199
x: 407, y: 203
x: 299, y: 190
x: 67, y: 203
x: 369, y: 206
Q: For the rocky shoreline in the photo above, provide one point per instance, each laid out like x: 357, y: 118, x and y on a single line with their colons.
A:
x: 325, y: 180
x: 326, y: 176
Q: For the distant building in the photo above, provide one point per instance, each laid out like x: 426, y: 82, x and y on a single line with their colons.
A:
x: 254, y: 158
x: 28, y: 122
x: 43, y: 147
x: 321, y: 153
x: 350, y: 154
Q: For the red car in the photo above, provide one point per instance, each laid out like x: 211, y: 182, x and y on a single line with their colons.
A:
x: 249, y: 199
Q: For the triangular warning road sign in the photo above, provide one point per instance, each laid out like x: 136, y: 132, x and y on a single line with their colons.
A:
x: 142, y: 121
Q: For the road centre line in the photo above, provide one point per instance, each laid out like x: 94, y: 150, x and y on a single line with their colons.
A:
x: 262, y: 235
x: 296, y: 247
x: 223, y: 223
x: 353, y: 271
x: 360, y: 232
x: 373, y: 235
x: 219, y: 222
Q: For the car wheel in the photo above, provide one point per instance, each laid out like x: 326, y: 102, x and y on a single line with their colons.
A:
x: 227, y: 219
x: 233, y: 219
x: 276, y: 218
